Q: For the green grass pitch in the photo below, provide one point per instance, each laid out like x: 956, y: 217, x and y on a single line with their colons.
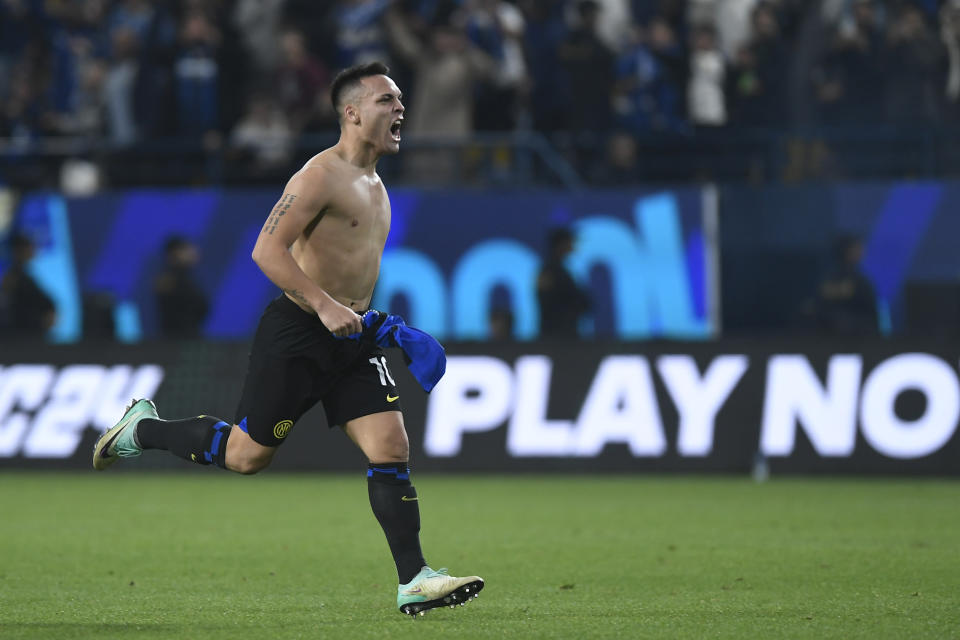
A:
x: 208, y: 555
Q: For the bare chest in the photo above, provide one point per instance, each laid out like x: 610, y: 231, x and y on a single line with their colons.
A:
x: 359, y: 214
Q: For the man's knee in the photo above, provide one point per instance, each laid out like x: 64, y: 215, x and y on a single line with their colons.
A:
x: 246, y: 456
x: 248, y: 464
x: 393, y: 446
x: 394, y: 450
x: 380, y: 436
x: 401, y: 446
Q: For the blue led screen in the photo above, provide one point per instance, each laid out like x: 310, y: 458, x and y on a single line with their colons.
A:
x: 777, y: 244
x: 451, y: 257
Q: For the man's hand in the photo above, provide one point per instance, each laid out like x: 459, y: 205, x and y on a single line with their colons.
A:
x: 340, y: 320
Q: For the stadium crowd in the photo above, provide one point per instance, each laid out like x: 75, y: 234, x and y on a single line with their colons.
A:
x: 251, y: 76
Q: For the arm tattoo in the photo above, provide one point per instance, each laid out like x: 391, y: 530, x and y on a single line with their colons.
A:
x: 282, y: 207
x: 295, y: 293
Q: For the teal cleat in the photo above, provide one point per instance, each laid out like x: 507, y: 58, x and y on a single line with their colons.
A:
x: 120, y: 441
x: 430, y: 589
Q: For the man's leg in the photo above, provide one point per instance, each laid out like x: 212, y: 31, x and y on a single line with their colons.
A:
x: 237, y: 451
x: 203, y: 439
x: 245, y: 455
x: 383, y: 439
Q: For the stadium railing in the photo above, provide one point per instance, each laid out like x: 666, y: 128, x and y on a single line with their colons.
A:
x: 567, y: 160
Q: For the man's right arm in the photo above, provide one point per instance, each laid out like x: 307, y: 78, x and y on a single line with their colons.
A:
x: 305, y: 195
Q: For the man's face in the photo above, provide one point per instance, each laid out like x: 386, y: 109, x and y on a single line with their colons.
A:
x: 854, y: 253
x: 186, y: 256
x: 381, y: 113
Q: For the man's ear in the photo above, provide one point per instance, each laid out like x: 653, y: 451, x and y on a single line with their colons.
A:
x: 351, y: 114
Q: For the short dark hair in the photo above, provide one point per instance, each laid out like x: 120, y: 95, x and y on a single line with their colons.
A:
x: 350, y: 77
x: 174, y: 243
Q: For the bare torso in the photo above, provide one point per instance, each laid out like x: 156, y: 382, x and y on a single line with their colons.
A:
x: 340, y: 249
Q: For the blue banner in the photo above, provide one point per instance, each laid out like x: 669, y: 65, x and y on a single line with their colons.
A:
x: 778, y: 243
x: 451, y: 256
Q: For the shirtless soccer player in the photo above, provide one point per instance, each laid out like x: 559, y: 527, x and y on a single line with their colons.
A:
x: 321, y: 245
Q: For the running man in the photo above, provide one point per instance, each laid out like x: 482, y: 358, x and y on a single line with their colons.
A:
x: 322, y: 245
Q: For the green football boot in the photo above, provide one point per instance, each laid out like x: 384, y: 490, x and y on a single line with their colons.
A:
x: 120, y: 440
x: 430, y: 589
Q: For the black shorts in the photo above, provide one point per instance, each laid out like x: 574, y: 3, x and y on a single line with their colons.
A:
x: 295, y: 362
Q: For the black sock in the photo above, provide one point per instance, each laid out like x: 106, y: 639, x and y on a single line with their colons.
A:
x: 202, y: 439
x: 394, y: 502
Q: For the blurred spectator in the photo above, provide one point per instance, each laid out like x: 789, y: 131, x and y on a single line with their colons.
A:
x: 119, y: 87
x: 769, y: 62
x: 744, y: 93
x: 138, y: 16
x: 197, y: 76
x: 847, y: 303
x: 544, y: 29
x: 732, y: 20
x: 669, y: 71
x: 790, y: 16
x: 69, y: 49
x: 589, y: 66
x: 497, y: 28
x: 914, y: 58
x: 950, y: 34
x: 181, y: 303
x: 28, y: 312
x: 86, y: 117
x: 446, y: 68
x: 312, y: 19
x: 27, y: 67
x: 648, y: 90
x: 562, y: 302
x: 19, y: 23
x: 263, y: 136
x: 706, y: 105
x: 850, y: 78
x: 501, y: 324
x: 259, y: 23
x: 302, y: 82
x: 359, y: 32
x: 141, y: 42
x: 613, y: 22
x: 20, y: 117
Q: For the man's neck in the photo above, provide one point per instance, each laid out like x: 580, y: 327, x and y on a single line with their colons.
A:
x: 359, y: 154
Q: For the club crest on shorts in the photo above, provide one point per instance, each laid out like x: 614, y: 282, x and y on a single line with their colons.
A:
x: 281, y: 429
